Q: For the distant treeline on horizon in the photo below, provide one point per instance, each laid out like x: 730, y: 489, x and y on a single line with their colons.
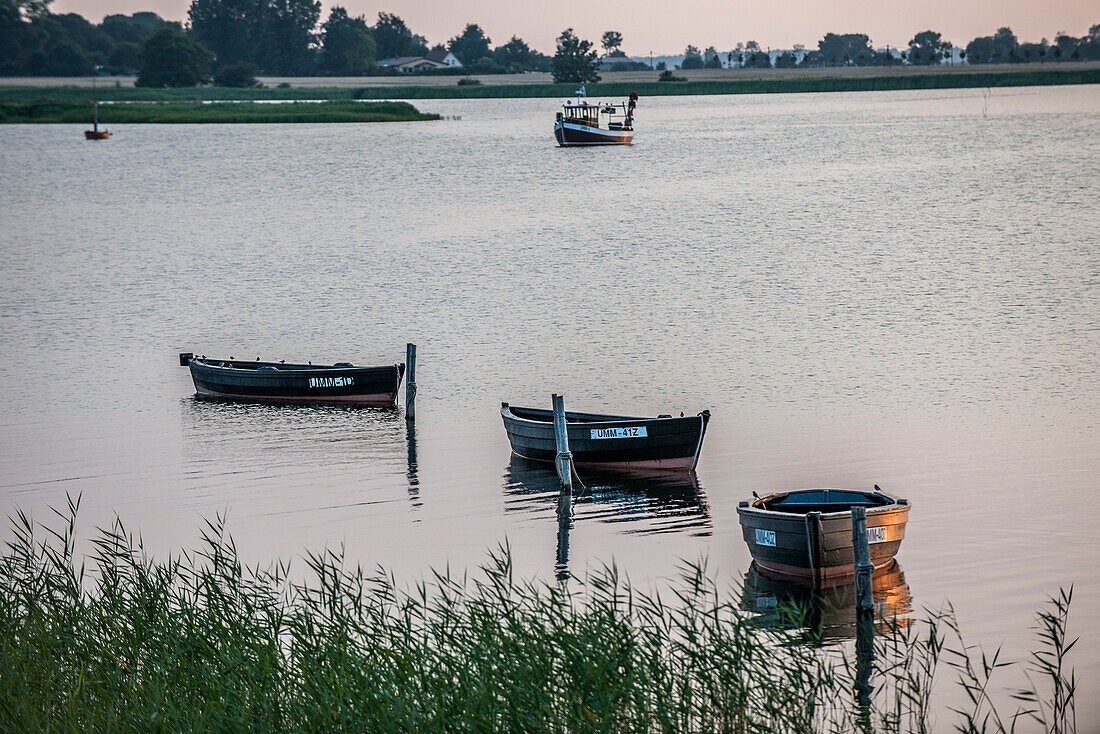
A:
x: 236, y: 39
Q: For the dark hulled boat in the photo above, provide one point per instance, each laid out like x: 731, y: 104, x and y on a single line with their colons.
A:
x: 609, y: 441
x: 581, y: 122
x: 807, y: 533
x: 278, y: 382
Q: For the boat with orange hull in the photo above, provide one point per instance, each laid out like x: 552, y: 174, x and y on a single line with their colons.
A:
x: 807, y: 533
x: 585, y: 123
x: 95, y: 133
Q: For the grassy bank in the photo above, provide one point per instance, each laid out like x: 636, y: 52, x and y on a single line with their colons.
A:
x: 744, y: 86
x: 200, y: 642
x: 61, y: 111
x: 769, y: 81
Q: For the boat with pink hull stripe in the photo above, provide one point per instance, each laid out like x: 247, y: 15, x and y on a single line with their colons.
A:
x: 609, y: 441
x: 279, y: 382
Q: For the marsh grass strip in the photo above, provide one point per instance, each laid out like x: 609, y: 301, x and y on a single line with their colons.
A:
x: 121, y: 641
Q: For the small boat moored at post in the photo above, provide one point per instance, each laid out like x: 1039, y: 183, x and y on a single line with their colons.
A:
x: 807, y: 533
x: 278, y: 382
x: 584, y: 123
x: 609, y: 441
x: 95, y: 133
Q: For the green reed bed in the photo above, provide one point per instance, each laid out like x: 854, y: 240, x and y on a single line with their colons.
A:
x: 611, y: 88
x: 1045, y: 76
x: 119, y: 641
x: 110, y: 93
x: 51, y: 111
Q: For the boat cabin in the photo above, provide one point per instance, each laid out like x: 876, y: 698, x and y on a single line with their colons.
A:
x: 582, y: 112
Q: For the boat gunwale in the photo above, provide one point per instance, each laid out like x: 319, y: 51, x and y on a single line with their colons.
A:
x: 508, y: 411
x: 892, y: 504
x: 281, y: 368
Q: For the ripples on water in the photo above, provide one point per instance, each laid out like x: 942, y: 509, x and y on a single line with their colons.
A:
x: 889, y: 288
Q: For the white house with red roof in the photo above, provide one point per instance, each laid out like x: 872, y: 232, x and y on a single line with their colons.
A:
x: 437, y: 58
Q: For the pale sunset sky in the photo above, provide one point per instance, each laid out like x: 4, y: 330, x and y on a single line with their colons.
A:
x: 667, y: 26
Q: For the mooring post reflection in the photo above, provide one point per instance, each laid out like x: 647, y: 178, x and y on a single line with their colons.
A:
x: 865, y: 666
x: 565, y: 522
x: 412, y: 473
x: 637, y: 502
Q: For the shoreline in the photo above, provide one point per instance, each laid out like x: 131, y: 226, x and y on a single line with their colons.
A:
x: 544, y: 78
x: 47, y: 112
x: 760, y: 81
x: 619, y: 85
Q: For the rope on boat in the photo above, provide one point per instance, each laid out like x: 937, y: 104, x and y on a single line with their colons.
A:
x: 577, y: 476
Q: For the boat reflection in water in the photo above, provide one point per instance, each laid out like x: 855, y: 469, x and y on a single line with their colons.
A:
x: 828, y: 611
x: 233, y: 445
x: 659, y: 502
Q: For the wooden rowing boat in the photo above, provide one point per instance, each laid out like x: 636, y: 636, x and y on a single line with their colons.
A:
x: 609, y: 441
x: 808, y: 532
x: 279, y: 382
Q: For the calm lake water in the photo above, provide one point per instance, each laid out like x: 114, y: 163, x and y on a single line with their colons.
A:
x: 894, y: 288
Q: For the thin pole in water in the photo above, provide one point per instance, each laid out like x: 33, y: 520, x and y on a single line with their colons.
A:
x: 410, y: 381
x: 564, y: 459
x: 861, y: 558
x: 865, y: 628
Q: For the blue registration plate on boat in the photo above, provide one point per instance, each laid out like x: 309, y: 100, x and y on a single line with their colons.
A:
x: 631, y: 432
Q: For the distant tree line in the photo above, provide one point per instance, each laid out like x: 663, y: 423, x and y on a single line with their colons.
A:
x: 925, y: 48
x: 233, y: 39
x: 36, y: 42
x: 1003, y: 47
x: 230, y: 41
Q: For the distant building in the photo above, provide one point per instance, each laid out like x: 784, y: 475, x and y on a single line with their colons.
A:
x: 435, y: 59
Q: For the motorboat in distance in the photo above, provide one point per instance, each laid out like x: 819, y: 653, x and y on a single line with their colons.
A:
x: 609, y: 441
x: 279, y: 382
x: 585, y: 123
x: 807, y: 533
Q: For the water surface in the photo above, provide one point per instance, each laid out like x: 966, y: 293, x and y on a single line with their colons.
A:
x: 894, y: 288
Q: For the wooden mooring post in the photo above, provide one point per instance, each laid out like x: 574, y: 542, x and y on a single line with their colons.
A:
x: 410, y: 382
x: 861, y: 558
x: 865, y: 623
x: 564, y: 459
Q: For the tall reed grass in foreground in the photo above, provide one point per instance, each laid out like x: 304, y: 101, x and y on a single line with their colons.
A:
x: 200, y: 642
